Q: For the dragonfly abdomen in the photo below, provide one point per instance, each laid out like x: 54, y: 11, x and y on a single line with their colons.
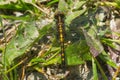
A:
x: 60, y: 28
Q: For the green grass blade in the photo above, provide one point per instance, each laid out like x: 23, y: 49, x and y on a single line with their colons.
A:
x: 15, y: 18
x: 94, y: 68
x: 52, y: 2
x: 101, y: 70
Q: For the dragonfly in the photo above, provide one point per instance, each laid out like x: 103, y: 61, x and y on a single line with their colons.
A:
x: 59, y: 16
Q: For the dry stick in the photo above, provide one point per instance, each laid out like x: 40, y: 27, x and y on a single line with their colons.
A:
x: 44, y: 11
x: 116, y: 73
x: 16, y: 65
x: 23, y: 73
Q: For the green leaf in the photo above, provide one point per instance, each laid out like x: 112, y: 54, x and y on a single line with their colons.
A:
x: 62, y: 6
x: 94, y: 43
x: 44, y: 30
x: 26, y: 35
x: 18, y: 6
x: 76, y: 53
x: 73, y: 15
x: 54, y: 58
x: 78, y: 4
x: 36, y: 61
x: 118, y: 2
x: 51, y: 50
x: 52, y: 61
